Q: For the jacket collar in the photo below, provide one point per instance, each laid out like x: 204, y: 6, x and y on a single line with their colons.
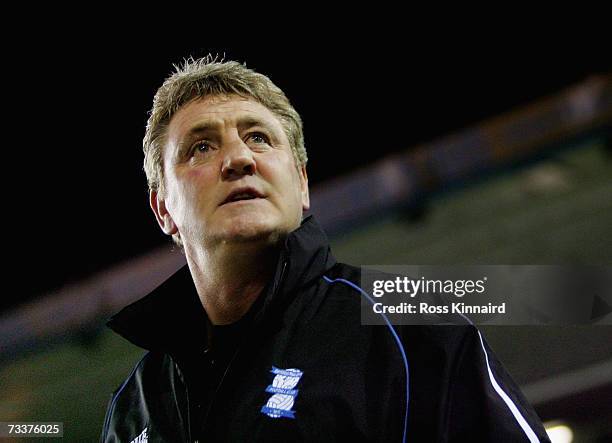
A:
x: 172, y: 318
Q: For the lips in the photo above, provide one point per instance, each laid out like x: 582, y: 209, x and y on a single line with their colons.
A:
x: 239, y: 194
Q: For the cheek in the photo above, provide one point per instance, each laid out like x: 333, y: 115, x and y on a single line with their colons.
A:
x: 193, y: 177
x: 293, y: 185
x: 191, y: 187
x: 280, y: 168
x: 284, y: 179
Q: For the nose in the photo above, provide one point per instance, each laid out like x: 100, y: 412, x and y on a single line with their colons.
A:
x: 238, y: 161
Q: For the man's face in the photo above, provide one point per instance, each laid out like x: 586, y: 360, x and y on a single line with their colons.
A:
x: 216, y: 147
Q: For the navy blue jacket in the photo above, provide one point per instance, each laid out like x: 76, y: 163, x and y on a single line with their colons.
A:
x: 306, y: 369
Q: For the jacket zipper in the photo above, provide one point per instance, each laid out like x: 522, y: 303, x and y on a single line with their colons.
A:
x: 214, y: 396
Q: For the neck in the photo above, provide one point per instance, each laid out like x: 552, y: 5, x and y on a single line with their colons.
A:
x: 230, y: 277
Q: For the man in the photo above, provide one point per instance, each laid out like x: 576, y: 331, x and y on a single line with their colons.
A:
x: 259, y: 337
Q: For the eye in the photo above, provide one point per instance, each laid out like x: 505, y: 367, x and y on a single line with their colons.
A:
x: 200, y: 146
x: 259, y: 138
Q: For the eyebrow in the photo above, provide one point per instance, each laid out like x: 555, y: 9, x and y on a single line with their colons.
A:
x: 249, y: 122
x: 242, y: 124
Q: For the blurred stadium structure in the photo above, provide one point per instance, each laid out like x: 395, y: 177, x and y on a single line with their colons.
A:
x: 533, y: 186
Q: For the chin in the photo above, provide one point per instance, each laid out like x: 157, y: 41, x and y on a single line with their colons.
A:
x: 250, y: 230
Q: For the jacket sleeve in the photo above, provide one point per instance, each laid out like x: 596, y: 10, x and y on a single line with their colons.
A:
x: 107, y: 417
x: 127, y: 418
x: 484, y: 403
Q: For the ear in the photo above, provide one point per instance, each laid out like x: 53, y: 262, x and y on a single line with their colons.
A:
x: 304, y: 187
x: 158, y: 206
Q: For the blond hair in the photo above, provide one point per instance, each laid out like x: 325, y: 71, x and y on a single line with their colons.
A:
x: 205, y: 77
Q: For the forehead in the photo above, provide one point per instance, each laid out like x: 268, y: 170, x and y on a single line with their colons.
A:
x: 219, y: 110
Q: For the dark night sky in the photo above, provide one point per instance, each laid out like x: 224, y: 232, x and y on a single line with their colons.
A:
x: 76, y: 199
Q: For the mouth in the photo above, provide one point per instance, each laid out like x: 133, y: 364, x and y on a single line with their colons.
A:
x: 242, y: 195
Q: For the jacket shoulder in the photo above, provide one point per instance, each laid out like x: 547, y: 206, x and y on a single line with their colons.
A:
x: 458, y: 387
x: 342, y: 272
